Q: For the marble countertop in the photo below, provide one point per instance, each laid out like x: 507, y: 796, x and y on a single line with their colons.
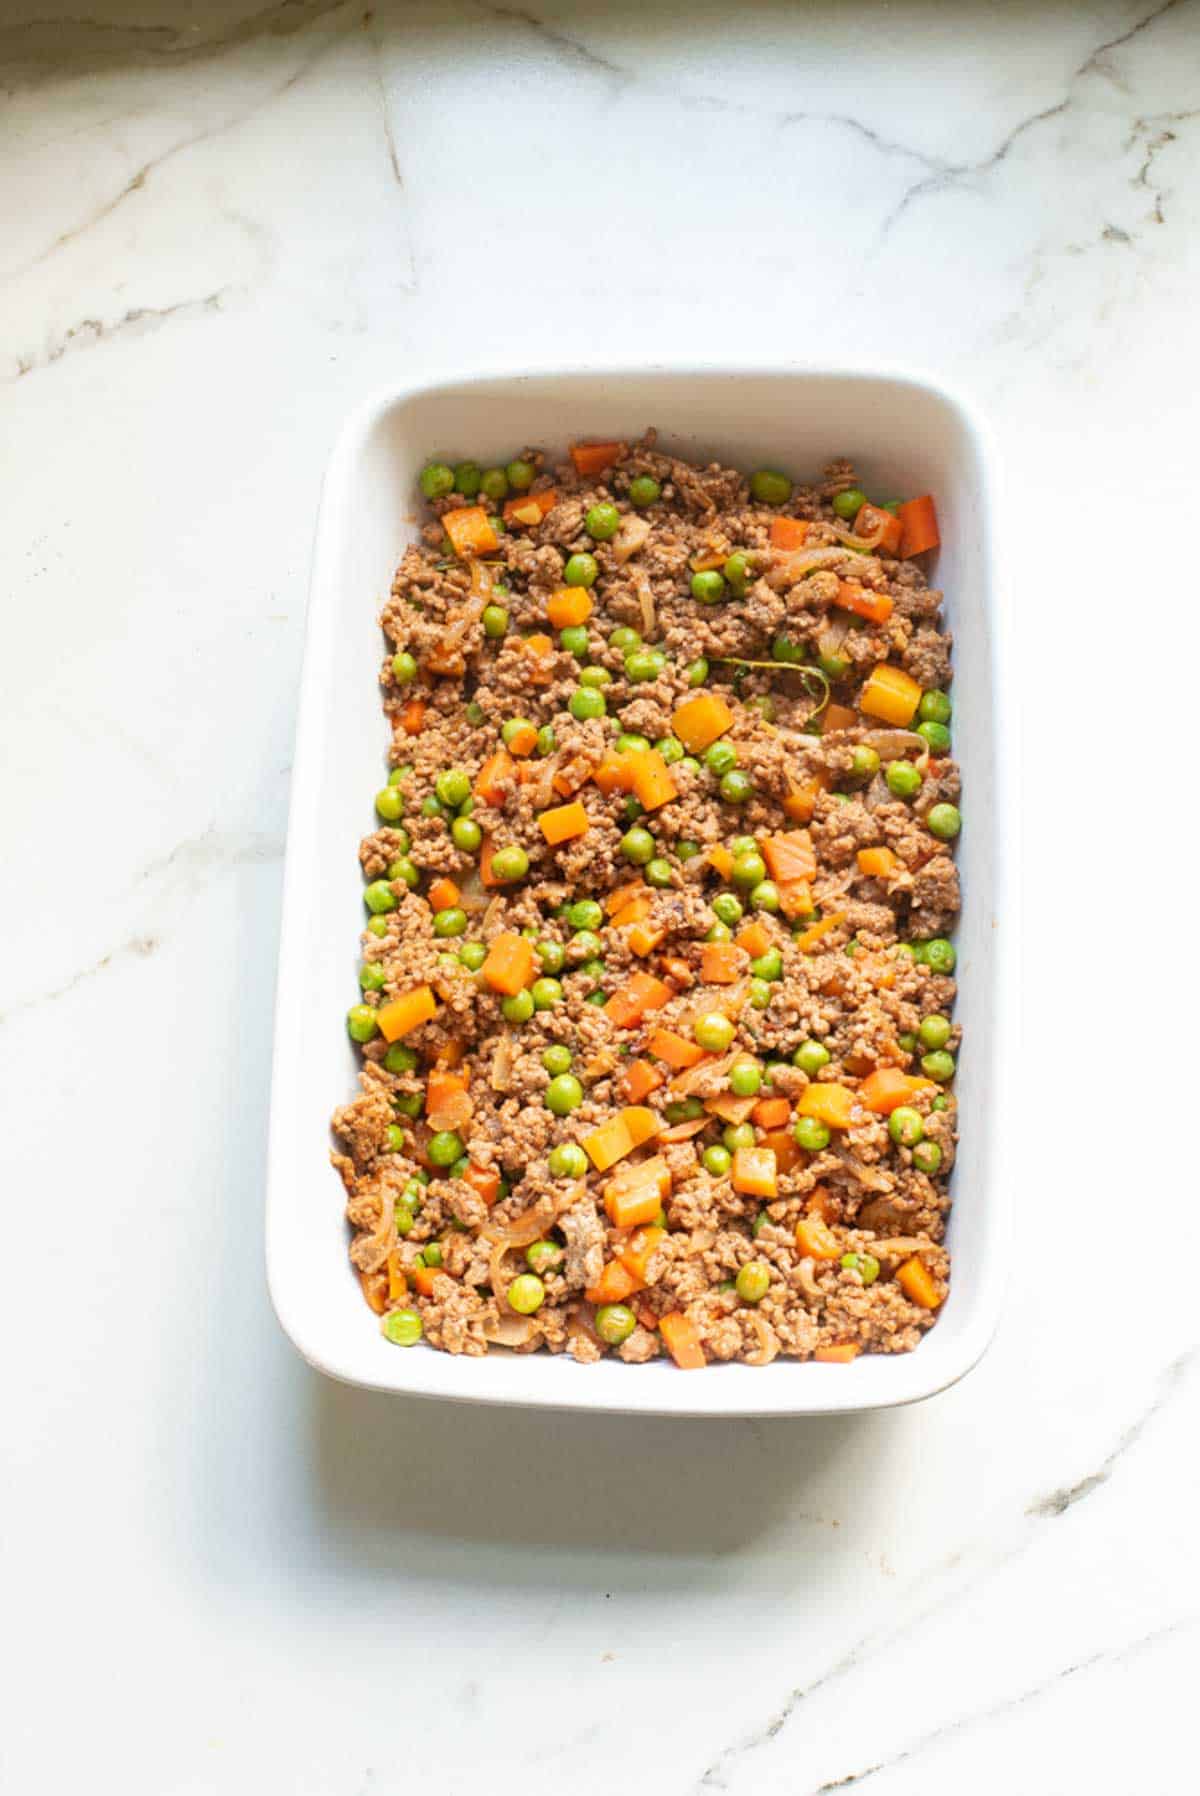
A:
x: 224, y: 225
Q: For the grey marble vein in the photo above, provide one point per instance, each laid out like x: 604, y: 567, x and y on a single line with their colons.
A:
x: 1057, y: 1502
x: 136, y: 321
x: 55, y: 44
x: 140, y: 946
x: 1096, y: 64
x: 569, y: 48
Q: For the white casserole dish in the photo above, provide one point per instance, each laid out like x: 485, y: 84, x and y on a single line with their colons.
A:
x: 906, y: 436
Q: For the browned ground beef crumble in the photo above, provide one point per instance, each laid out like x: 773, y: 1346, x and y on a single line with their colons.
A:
x: 857, y: 989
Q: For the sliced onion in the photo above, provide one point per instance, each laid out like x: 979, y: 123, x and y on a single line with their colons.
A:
x: 787, y: 567
x: 511, y: 1330
x: 481, y: 581
x: 807, y: 1281
x: 496, y: 1274
x: 646, y: 601
x: 473, y: 897
x: 630, y: 538
x: 853, y: 541
x: 502, y: 1064
x: 685, y: 1130
x: 833, y: 634
x: 896, y: 1245
x: 768, y: 1342
x: 889, y: 745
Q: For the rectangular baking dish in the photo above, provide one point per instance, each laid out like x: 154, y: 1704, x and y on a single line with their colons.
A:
x: 905, y: 436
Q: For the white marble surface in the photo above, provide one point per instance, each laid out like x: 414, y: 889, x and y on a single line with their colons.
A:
x: 220, y: 228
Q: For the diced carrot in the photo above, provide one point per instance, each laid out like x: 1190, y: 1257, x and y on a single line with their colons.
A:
x: 782, y: 1144
x: 789, y: 533
x: 645, y: 1316
x: 494, y: 778
x: 890, y: 693
x: 708, y: 559
x: 771, y: 1113
x: 444, y: 895
x: 447, y: 1100
x: 652, y: 782
x: 630, y: 1002
x: 676, y: 1050
x: 795, y: 897
x: 754, y: 1172
x: 888, y: 1087
x: 635, y: 1193
x: 487, y: 849
x: 837, y: 717
x: 684, y: 1131
x: 877, y: 863
x: 820, y: 1203
x: 755, y: 938
x: 853, y: 596
x: 616, y: 901
x: 406, y: 1013
x: 628, y: 1129
x: 452, y: 1054
x: 633, y: 912
x: 614, y: 1285
x: 397, y: 1284
x: 838, y: 1354
x: 469, y: 529
x: 569, y: 605
x: 523, y: 740
x: 815, y: 1239
x: 564, y: 824
x: 639, y: 1079
x: 814, y: 933
x: 423, y: 1277
x: 883, y: 528
x: 485, y: 1180
x: 831, y: 1104
x: 700, y: 720
x: 919, y: 520
x: 801, y: 801
x: 722, y: 963
x: 530, y: 508
x: 682, y: 1339
x: 593, y: 458
x: 729, y: 1107
x: 916, y: 1281
x: 644, y: 938
x: 375, y: 1290
x: 412, y: 717
x: 614, y: 772
x: 790, y: 856
x: 508, y: 967
x: 539, y: 648
x: 680, y: 972
x: 640, y: 1250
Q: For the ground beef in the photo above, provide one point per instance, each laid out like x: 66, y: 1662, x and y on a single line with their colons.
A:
x: 824, y: 984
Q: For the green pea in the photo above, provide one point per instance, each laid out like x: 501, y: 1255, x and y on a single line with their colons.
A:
x: 940, y: 1102
x: 644, y: 664
x: 574, y: 639
x: 400, y: 1059
x: 494, y: 484
x: 370, y: 977
x: 736, y: 786
x: 397, y: 1140
x: 508, y: 730
x: 935, y: 707
x: 865, y: 1264
x: 474, y: 712
x: 934, y: 1031
x: 432, y: 806
x: 436, y: 480
x: 581, y: 570
x: 644, y: 490
x: 468, y: 479
x: 736, y: 1135
x: 517, y: 1008
x: 760, y: 993
x: 472, y: 955
x: 765, y: 895
x: 745, y: 1079
x: 691, y: 764
x: 546, y: 994
x: 585, y: 913
x: 521, y: 475
x: 671, y: 749
x: 568, y: 1161
x: 602, y: 522
x: 450, y: 922
x: 945, y: 821
x: 697, y: 672
x: 593, y: 968
x: 927, y: 1157
x: 938, y: 955
x: 625, y: 637
x: 431, y: 1253
x: 810, y: 1134
x: 765, y: 705
x: 556, y: 1058
x: 466, y: 834
x: 714, y: 1032
x: 658, y: 872
x: 403, y: 1328
x: 403, y: 868
x: 509, y: 864
x: 686, y: 851
x: 719, y: 932
x: 737, y: 573
x: 743, y: 845
x: 379, y: 897
x: 586, y: 702
x: 495, y: 620
x: 543, y: 1256
x: 594, y: 676
x: 377, y: 926
x: 905, y: 1126
x: 444, y: 1148
x: 770, y: 487
x: 749, y: 870
x: 637, y: 845
x: 389, y: 804
x: 768, y: 966
x: 937, y: 736
x: 865, y: 762
x: 727, y: 907
x: 526, y: 1294
x: 404, y: 1219
x: 683, y: 1110
x: 907, y: 1042
x: 848, y: 505
x: 563, y: 1094
x: 939, y: 1065
x: 630, y: 743
x: 753, y: 1281
x: 404, y: 668
x: 615, y: 1323
x: 836, y: 667
x: 717, y: 1160
x: 903, y: 779
x: 547, y: 741
x: 708, y: 587
x: 362, y: 1022
x: 585, y: 944
x: 784, y: 649
x: 720, y: 757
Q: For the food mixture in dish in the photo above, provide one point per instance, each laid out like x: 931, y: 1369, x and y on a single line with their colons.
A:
x: 656, y: 1018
